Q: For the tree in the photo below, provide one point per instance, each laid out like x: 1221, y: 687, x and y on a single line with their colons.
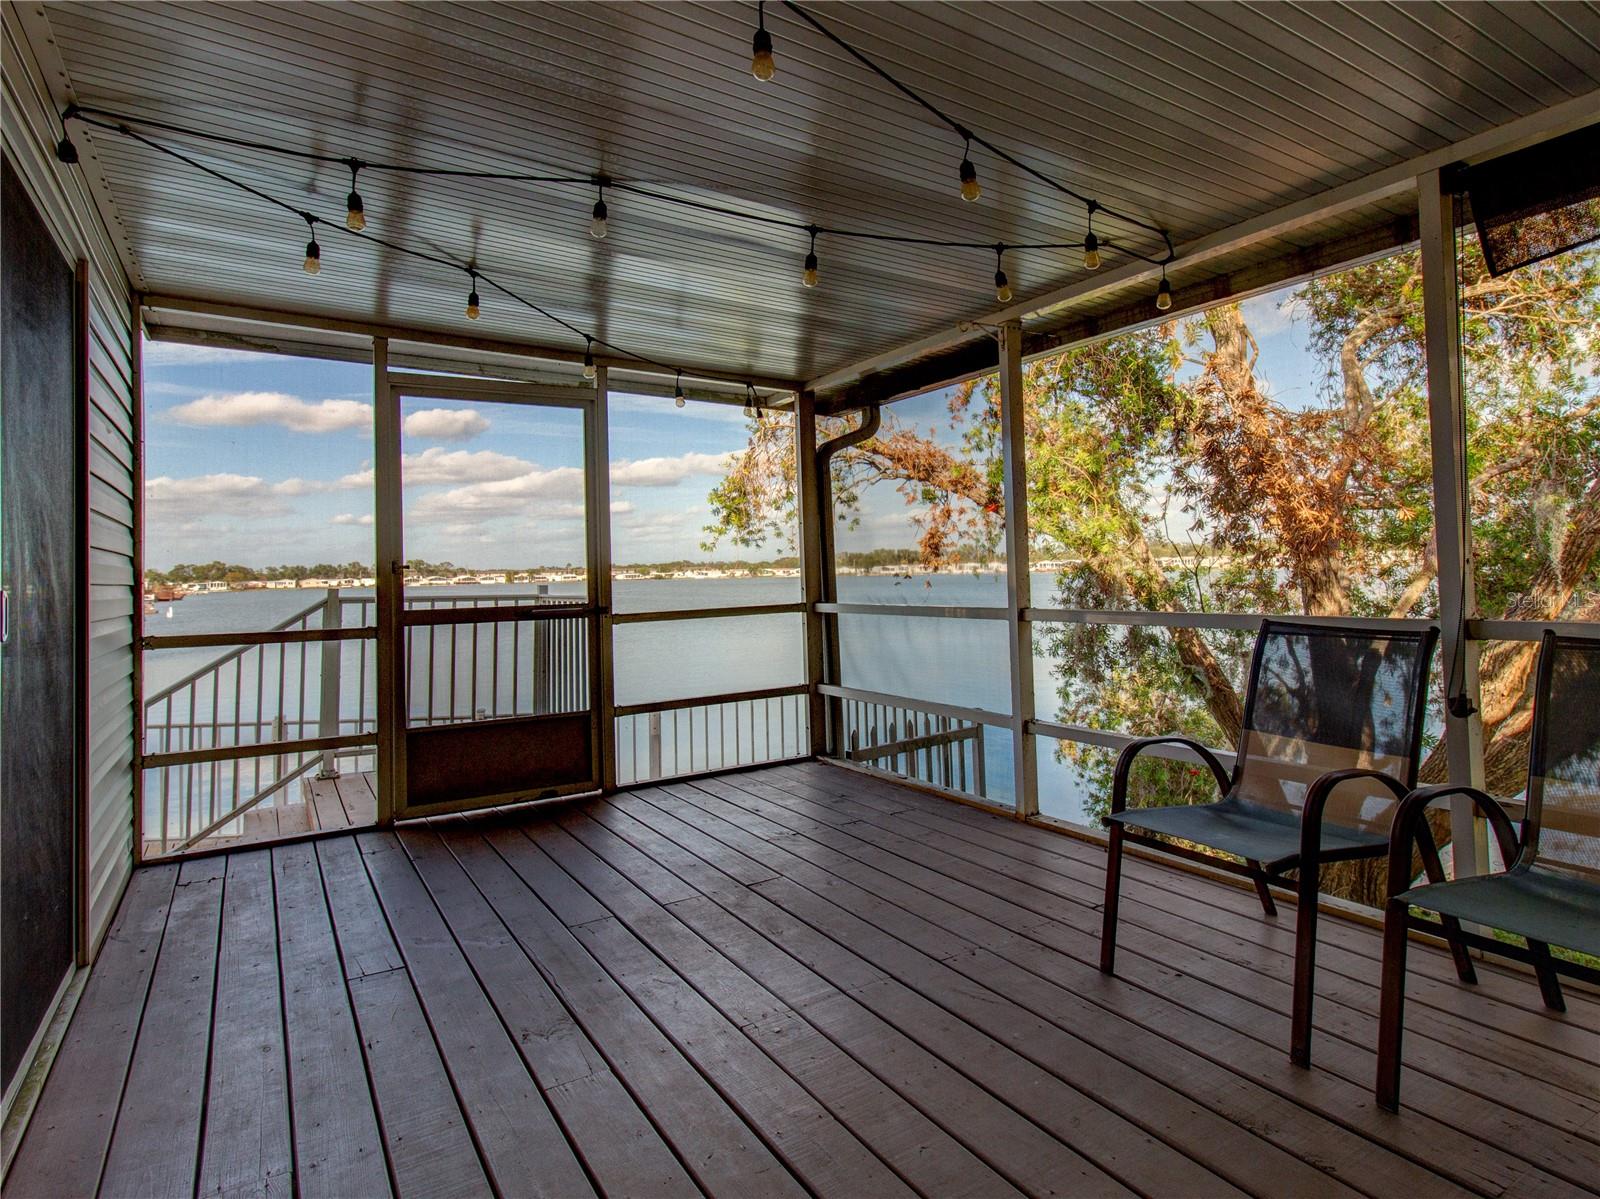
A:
x: 1323, y: 508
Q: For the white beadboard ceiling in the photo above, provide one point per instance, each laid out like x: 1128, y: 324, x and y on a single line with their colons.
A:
x: 1194, y: 115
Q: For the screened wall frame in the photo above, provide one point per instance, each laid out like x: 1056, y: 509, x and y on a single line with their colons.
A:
x: 1463, y: 631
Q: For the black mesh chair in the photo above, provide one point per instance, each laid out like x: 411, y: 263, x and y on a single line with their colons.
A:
x: 1331, y: 738
x: 1550, y: 893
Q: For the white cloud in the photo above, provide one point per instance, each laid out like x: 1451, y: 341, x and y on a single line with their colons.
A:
x: 668, y: 472
x: 436, y: 465
x: 244, y: 408
x: 350, y: 518
x: 215, y: 495
x: 500, y: 497
x: 446, y: 424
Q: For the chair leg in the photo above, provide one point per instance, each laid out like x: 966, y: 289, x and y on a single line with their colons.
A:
x: 1391, y: 1005
x: 1452, y: 927
x: 1305, y: 964
x: 1259, y: 877
x: 1549, y: 983
x: 1108, y: 926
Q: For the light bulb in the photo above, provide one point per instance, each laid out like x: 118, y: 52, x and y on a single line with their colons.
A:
x: 1091, y: 252
x: 66, y: 151
x: 1002, y: 287
x: 588, y: 364
x: 811, y: 276
x: 472, y: 305
x: 761, y: 64
x: 1163, y: 295
x: 313, y: 262
x: 679, y: 400
x: 355, y: 213
x: 970, y: 190
x: 597, y: 226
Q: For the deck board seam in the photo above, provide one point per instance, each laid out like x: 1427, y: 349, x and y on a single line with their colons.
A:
x: 1144, y: 876
x: 1082, y: 1151
x: 1423, y: 1029
x: 1333, y: 1117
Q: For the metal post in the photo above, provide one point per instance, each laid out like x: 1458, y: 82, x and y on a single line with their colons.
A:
x: 1451, y: 513
x: 1019, y: 592
x: 391, y: 697
x: 812, y: 519
x: 655, y: 745
x: 602, y: 683
x: 328, y: 709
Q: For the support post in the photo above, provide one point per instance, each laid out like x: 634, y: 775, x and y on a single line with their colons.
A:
x: 811, y: 565
x: 603, y: 691
x: 1451, y: 514
x: 391, y: 697
x: 328, y: 704
x: 1019, y: 591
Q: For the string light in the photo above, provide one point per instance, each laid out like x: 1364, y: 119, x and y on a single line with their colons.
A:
x: 761, y: 64
x: 970, y: 190
x: 1163, y: 293
x: 750, y: 410
x: 677, y: 394
x: 313, y: 262
x: 1092, y: 246
x: 588, y: 357
x: 1002, y: 285
x: 473, y: 308
x: 65, y: 150
x: 355, y: 212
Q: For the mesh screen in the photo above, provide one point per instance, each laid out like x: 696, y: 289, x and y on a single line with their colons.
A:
x: 1537, y: 202
x: 1333, y: 699
x: 1564, y: 785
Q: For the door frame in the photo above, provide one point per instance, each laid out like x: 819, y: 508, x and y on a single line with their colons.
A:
x: 391, y: 388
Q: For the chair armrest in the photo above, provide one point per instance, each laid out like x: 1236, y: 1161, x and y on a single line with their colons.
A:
x: 1317, y: 801
x: 1408, y: 821
x: 1125, y: 760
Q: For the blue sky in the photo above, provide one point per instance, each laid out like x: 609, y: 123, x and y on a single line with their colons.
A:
x: 261, y: 459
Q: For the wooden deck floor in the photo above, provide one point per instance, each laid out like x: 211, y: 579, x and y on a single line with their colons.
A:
x: 347, y: 801
x: 796, y: 980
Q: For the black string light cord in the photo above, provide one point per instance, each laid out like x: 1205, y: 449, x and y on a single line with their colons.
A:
x: 1089, y: 202
x: 122, y: 123
x: 475, y: 273
x: 355, y: 223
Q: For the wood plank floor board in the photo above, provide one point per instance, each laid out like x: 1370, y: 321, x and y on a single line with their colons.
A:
x: 338, y: 1147
x: 1500, y: 1000
x: 522, y: 1145
x: 1445, y: 1011
x: 724, y: 1155
x: 1478, y: 1161
x: 926, y: 1157
x: 1115, y: 1143
x: 612, y: 1136
x: 790, y: 981
x: 63, y: 1150
x: 156, y: 1147
x: 1008, y: 1142
x: 823, y: 1153
x: 426, y: 1140
x: 1564, y: 1108
x: 1244, y: 1102
x: 248, y: 1148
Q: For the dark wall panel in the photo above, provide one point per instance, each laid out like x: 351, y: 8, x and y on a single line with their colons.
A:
x: 39, y: 433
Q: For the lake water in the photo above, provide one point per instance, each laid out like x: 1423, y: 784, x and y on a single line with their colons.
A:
x: 953, y: 661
